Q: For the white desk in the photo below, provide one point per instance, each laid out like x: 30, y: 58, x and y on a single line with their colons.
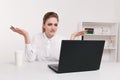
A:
x: 40, y: 71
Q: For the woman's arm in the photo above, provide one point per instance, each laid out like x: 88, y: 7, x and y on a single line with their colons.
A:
x: 29, y: 50
x: 76, y: 34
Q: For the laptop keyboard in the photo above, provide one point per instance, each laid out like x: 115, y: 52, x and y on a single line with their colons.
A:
x: 55, y: 65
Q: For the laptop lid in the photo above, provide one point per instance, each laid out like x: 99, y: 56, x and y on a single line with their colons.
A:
x: 79, y: 55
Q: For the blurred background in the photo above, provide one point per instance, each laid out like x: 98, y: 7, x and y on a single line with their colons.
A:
x: 28, y: 14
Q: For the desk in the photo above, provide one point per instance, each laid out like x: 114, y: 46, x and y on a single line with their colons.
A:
x: 40, y: 71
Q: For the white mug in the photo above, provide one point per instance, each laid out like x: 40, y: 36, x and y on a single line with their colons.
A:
x: 19, y: 57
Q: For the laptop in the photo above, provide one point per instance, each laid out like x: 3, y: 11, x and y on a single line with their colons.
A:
x: 79, y: 55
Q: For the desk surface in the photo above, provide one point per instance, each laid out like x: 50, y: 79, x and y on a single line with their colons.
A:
x: 40, y: 71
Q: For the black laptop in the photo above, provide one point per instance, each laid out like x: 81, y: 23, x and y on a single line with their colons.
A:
x: 79, y: 55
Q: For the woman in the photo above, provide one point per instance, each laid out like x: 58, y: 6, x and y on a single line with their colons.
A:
x: 46, y: 45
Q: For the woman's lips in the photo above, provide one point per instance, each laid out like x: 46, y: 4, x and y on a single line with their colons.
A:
x: 52, y: 31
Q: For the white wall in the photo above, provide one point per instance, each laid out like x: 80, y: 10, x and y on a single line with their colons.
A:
x: 117, y: 10
x: 27, y: 14
x: 117, y: 17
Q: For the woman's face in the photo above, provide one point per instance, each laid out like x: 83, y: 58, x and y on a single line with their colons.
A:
x: 50, y: 27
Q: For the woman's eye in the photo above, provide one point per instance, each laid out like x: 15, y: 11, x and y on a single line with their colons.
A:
x: 55, y: 24
x: 49, y: 24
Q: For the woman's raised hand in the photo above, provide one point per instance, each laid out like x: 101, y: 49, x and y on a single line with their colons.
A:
x: 21, y: 32
x: 76, y: 34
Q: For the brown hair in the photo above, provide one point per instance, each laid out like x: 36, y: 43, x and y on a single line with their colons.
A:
x: 47, y: 16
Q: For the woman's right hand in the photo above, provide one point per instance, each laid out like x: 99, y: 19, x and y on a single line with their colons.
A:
x: 21, y: 32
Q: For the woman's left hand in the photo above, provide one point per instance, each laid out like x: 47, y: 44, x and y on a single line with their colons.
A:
x: 76, y: 34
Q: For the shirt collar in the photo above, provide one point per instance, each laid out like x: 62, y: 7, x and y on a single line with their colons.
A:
x: 49, y: 39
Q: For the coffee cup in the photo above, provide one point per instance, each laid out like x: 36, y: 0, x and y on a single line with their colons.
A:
x: 19, y: 57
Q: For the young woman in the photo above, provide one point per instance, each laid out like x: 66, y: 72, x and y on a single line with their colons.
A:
x: 45, y: 45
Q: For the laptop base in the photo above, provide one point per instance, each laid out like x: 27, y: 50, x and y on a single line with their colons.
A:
x: 54, y: 67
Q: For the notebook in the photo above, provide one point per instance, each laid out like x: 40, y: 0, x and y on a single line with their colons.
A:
x: 79, y: 55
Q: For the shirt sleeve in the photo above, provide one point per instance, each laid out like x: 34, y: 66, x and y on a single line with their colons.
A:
x: 30, y: 52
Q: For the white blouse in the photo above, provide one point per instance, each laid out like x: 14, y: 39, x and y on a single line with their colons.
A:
x: 43, y: 48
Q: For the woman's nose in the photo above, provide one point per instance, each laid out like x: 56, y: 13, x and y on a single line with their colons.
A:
x: 53, y: 26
